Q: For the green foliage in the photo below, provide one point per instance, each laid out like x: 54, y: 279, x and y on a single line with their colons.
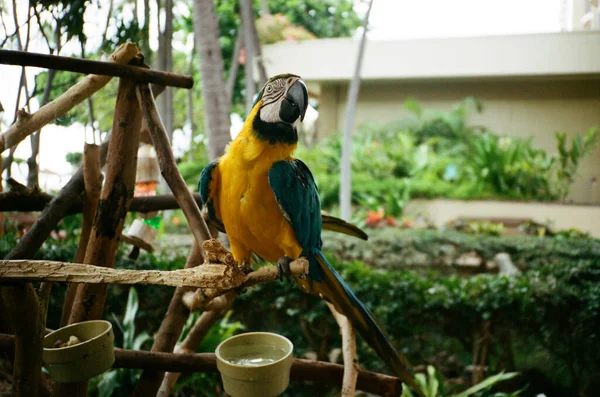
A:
x: 74, y: 158
x: 569, y: 159
x: 120, y: 382
x: 430, y: 385
x: 429, y: 314
x: 397, y: 249
x: 435, y: 153
x: 511, y: 166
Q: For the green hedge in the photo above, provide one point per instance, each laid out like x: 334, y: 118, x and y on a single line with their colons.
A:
x: 392, y: 248
x: 543, y: 323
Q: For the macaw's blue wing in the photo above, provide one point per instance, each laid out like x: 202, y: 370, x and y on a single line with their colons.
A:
x: 298, y: 198
x: 208, y: 186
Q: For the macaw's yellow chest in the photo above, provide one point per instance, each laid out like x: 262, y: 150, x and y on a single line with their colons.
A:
x: 249, y: 209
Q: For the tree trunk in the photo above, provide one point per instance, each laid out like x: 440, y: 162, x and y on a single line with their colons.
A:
x: 247, y: 24
x: 345, y: 178
x: 216, y: 110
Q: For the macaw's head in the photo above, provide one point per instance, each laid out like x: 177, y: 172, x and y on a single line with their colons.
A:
x: 282, y: 104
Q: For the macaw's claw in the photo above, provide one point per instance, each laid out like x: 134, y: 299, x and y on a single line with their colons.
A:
x: 284, y: 269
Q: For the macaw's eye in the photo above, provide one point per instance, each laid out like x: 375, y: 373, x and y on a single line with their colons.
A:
x: 269, y: 89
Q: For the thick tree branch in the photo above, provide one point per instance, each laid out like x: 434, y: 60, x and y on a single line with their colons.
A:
x: 87, y: 66
x: 349, y: 352
x: 114, y: 202
x: 168, y: 166
x: 218, y: 276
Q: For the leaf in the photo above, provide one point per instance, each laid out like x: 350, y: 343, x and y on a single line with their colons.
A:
x: 487, y: 383
x: 140, y: 340
x: 413, y: 106
x: 131, y: 308
x: 108, y: 384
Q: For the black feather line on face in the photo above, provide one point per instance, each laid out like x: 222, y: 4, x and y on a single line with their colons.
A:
x: 274, y: 132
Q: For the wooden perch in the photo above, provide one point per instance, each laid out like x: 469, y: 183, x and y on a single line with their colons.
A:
x: 208, y: 299
x: 302, y: 370
x: 87, y: 66
x: 168, y: 165
x: 218, y: 276
x: 349, y: 351
x: 27, y: 124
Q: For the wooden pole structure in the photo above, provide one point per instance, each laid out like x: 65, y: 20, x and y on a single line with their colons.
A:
x: 87, y: 66
x: 302, y: 370
x: 112, y: 210
x: 27, y: 124
x: 92, y: 178
x: 114, y: 202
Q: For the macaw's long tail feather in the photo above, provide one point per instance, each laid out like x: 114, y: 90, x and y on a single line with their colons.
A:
x: 327, y: 282
x: 340, y: 226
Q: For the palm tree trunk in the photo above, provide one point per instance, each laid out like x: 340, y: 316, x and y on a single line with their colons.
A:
x: 216, y: 109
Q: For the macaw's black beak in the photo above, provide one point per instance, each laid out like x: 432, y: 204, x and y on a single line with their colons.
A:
x: 295, y: 103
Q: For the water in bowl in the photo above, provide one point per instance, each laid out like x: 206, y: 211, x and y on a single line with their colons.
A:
x: 255, y: 355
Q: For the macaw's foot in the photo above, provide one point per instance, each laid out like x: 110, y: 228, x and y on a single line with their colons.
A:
x: 247, y: 269
x: 283, y: 268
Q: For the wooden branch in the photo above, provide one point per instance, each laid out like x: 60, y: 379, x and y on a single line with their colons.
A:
x: 302, y: 370
x: 27, y: 124
x: 37, y: 200
x: 168, y: 166
x: 114, y: 203
x: 92, y: 177
x: 169, y: 331
x: 195, y: 337
x: 208, y: 299
x: 87, y: 66
x: 349, y: 351
x: 210, y: 275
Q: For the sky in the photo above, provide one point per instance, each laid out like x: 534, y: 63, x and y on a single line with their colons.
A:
x: 390, y: 20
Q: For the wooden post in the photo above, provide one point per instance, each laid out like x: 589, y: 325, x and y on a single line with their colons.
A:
x: 112, y: 210
x: 114, y: 203
x: 92, y: 177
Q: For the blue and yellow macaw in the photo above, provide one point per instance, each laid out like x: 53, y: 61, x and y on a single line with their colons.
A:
x: 268, y: 204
